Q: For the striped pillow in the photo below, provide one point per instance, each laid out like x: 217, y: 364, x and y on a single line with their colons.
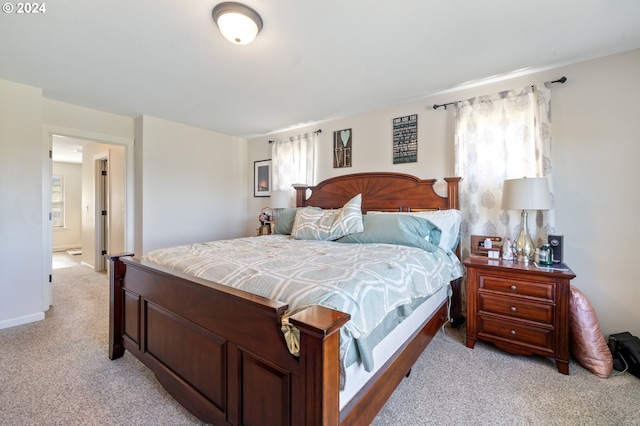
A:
x: 328, y: 225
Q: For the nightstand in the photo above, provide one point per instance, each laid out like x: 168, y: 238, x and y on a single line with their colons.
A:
x: 522, y: 309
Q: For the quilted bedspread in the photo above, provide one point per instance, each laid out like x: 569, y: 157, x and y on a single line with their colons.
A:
x: 368, y: 281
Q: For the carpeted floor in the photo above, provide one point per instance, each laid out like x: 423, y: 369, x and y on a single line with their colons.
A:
x: 57, y: 372
x: 485, y: 386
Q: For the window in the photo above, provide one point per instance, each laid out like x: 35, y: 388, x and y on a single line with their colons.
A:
x: 293, y: 161
x: 57, y: 201
x: 501, y: 136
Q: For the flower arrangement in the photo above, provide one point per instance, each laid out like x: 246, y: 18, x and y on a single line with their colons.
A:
x: 266, y: 216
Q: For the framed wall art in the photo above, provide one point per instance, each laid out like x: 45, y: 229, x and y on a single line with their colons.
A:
x: 262, y: 178
x: 405, y: 139
x: 342, y: 151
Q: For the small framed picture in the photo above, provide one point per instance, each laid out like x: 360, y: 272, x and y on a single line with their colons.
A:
x: 262, y: 178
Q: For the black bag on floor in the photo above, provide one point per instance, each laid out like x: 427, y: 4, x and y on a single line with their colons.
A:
x: 625, y: 349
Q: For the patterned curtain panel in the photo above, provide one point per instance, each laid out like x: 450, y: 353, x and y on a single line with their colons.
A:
x: 293, y: 161
x: 502, y: 136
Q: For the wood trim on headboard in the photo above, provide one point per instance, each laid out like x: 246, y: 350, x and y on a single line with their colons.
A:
x: 383, y: 191
x: 452, y: 192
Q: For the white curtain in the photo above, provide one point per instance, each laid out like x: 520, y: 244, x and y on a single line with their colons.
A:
x: 293, y: 161
x: 502, y: 136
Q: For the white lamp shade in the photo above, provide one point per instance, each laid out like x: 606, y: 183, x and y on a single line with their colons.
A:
x: 526, y: 194
x: 280, y: 199
x: 238, y: 23
x: 237, y: 28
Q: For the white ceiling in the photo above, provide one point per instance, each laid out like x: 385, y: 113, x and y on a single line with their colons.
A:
x: 313, y: 60
x: 67, y: 150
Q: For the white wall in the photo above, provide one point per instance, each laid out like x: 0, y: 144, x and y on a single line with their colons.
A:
x: 70, y: 236
x: 372, y: 148
x: 21, y: 209
x: 595, y: 148
x: 194, y: 184
x: 595, y: 141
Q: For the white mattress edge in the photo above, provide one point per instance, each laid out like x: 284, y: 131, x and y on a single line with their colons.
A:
x: 357, y: 376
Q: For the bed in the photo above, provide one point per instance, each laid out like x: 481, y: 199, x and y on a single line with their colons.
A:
x: 221, y: 351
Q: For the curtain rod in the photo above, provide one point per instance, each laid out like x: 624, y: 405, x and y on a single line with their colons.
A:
x: 316, y: 132
x: 560, y: 80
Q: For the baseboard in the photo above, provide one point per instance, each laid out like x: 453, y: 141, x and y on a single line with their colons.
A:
x: 12, y: 322
x: 66, y: 247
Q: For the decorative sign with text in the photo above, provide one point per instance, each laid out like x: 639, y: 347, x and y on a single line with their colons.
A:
x: 342, y: 140
x: 405, y: 139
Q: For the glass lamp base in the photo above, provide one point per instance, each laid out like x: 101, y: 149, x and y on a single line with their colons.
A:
x: 524, y: 244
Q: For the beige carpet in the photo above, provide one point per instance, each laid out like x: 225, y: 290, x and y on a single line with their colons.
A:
x: 485, y: 386
x: 56, y: 372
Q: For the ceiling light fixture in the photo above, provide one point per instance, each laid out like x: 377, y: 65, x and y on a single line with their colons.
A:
x: 238, y: 23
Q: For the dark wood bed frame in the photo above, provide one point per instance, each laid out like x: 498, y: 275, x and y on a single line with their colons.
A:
x: 220, y: 351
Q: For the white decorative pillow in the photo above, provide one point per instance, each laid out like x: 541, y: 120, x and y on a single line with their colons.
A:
x: 447, y: 220
x: 313, y: 224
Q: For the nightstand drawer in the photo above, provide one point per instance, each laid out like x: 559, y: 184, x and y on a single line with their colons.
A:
x: 542, y: 290
x: 540, y: 337
x: 514, y: 307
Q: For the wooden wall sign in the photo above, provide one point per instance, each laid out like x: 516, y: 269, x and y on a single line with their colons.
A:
x: 405, y: 139
x: 342, y: 153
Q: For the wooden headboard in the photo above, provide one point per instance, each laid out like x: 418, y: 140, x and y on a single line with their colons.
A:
x: 381, y: 191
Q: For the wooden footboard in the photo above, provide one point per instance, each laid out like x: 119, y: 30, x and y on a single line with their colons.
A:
x: 220, y: 352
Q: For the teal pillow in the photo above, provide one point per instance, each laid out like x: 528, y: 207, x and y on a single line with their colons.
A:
x: 284, y: 222
x: 447, y: 220
x: 398, y: 229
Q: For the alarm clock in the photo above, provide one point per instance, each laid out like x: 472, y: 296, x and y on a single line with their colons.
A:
x: 557, y: 244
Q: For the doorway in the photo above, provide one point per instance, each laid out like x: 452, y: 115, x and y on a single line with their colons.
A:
x: 90, y: 227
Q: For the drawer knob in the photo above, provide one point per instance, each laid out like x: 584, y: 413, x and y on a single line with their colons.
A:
x: 513, y: 287
x: 513, y: 309
x: 513, y: 332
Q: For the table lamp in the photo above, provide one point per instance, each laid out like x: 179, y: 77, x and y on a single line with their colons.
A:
x: 525, y: 194
x: 279, y: 201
